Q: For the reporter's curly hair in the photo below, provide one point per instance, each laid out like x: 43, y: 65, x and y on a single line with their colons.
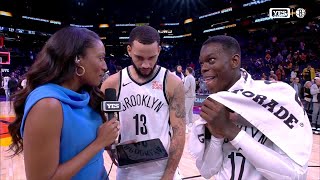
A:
x: 55, y: 63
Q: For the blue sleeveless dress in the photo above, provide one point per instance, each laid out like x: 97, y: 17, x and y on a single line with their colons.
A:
x: 79, y: 129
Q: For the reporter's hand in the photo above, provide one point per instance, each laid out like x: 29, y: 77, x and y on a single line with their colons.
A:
x: 108, y: 132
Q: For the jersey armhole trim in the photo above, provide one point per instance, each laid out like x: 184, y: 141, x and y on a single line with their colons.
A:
x: 164, y: 86
x: 119, y: 88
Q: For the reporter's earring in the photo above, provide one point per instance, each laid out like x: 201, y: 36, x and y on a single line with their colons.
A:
x: 83, y: 70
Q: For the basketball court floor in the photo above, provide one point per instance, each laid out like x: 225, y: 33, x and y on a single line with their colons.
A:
x: 13, y: 168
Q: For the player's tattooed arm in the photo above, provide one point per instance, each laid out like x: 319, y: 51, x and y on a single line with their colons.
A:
x: 177, y: 102
x: 177, y: 121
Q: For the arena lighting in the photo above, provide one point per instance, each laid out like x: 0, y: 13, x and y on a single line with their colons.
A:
x: 103, y: 37
x: 188, y: 21
x: 124, y: 25
x: 211, y: 14
x: 217, y: 12
x: 35, y: 19
x: 175, y: 37
x: 255, y: 2
x: 104, y: 26
x: 220, y: 28
x: 169, y: 24
x: 42, y: 20
x: 123, y: 37
x: 81, y: 26
x: 219, y: 23
x: 142, y: 24
x: 226, y: 10
x: 263, y: 19
x: 55, y: 22
x: 165, y: 31
x: 4, y: 13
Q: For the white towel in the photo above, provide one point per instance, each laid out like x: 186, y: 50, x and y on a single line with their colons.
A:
x: 197, y: 138
x: 278, y: 114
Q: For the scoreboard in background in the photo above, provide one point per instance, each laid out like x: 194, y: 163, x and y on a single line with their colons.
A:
x: 4, y: 57
x: 22, y: 31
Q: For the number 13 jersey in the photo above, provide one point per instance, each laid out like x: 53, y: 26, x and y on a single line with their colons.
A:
x: 145, y: 109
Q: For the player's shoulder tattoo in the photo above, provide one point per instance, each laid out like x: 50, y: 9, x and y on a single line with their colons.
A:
x: 177, y: 101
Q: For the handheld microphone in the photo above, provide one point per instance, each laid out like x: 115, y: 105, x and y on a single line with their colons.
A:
x: 110, y: 105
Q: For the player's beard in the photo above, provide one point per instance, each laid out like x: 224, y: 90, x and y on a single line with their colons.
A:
x: 140, y: 73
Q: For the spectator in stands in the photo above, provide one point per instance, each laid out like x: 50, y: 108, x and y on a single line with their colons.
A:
x: 295, y: 72
x: 280, y: 73
x: 308, y: 73
x: 264, y: 76
x: 307, y: 97
x: 317, y: 72
x: 303, y: 58
x: 288, y: 66
x: 297, y: 87
x: 268, y: 61
x: 302, y: 46
x: 278, y: 59
x: 272, y: 76
x: 296, y: 58
x: 192, y: 65
x: 179, y: 72
x: 197, y: 85
x: 315, y: 92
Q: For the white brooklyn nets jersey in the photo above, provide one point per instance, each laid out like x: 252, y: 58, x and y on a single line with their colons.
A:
x: 144, y: 115
x: 235, y: 165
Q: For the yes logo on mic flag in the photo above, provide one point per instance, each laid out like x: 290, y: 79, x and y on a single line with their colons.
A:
x: 111, y: 106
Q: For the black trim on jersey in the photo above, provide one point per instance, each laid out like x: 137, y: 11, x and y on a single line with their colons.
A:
x: 141, y: 84
x: 120, y: 82
x: 164, y: 86
x: 169, y: 125
x: 119, y: 138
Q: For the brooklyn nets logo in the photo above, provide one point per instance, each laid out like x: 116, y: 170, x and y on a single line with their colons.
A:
x: 300, y: 12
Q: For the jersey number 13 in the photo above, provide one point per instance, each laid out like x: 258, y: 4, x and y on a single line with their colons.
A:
x: 141, y: 121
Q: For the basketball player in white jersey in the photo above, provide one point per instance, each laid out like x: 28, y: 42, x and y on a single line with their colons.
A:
x: 236, y: 152
x: 152, y: 105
